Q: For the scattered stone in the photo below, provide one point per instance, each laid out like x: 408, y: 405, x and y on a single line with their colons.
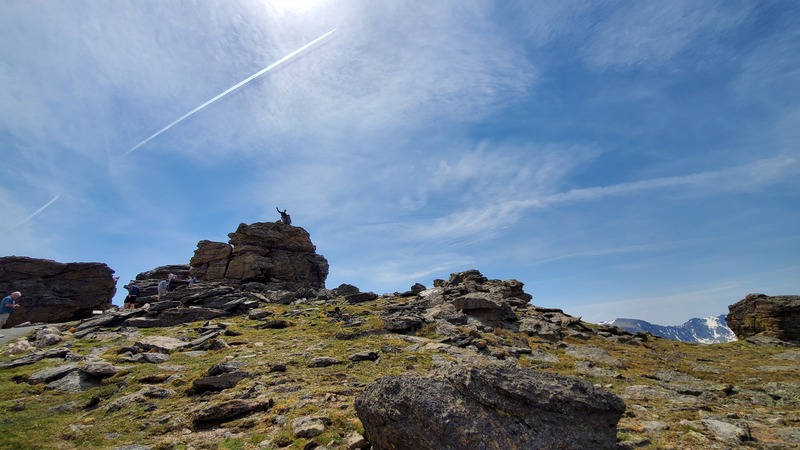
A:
x: 156, y: 392
x: 258, y: 314
x: 360, y: 297
x: 74, y: 382
x: 309, y: 426
x: 219, y: 382
x: 99, y: 369
x: 727, y: 432
x: 364, y: 356
x: 541, y: 328
x: 355, y: 441
x: 161, y: 344
x: 61, y: 352
x: 323, y: 361
x: 52, y: 374
x: 152, y: 358
x: 48, y: 336
x: 228, y: 410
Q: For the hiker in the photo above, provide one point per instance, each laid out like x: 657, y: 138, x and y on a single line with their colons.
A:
x: 162, y: 289
x: 172, y: 280
x: 133, y: 292
x: 7, y: 306
x: 285, y: 219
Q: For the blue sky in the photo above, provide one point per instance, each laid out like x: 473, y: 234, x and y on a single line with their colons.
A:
x: 622, y: 159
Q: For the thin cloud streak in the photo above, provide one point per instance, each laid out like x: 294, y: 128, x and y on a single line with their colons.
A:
x: 38, y: 211
x: 231, y: 89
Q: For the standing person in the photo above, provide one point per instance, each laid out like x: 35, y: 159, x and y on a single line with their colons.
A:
x: 7, y: 306
x: 133, y: 292
x: 285, y: 218
x: 162, y: 288
x: 172, y: 280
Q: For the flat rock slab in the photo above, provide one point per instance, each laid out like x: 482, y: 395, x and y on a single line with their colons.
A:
x: 228, y: 410
x: 52, y: 373
x: 161, y: 344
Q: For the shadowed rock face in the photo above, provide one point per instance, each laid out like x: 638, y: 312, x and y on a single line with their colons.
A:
x: 53, y: 291
x: 263, y: 252
x: 777, y: 316
x: 490, y: 407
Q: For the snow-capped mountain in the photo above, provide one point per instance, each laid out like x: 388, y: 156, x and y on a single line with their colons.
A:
x: 711, y: 330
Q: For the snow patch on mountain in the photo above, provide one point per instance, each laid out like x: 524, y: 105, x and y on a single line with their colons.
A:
x: 710, y: 330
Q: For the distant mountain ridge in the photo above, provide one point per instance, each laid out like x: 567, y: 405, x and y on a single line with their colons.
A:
x: 711, y: 330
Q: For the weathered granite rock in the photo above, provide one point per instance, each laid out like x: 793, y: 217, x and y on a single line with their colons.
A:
x: 97, y: 368
x: 61, y: 352
x: 309, y: 426
x: 175, y: 316
x: 262, y: 252
x: 776, y: 316
x: 55, y: 292
x: 460, y: 407
x: 219, y: 382
x: 228, y: 410
x: 52, y: 373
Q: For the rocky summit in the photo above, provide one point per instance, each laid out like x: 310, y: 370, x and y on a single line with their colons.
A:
x: 265, y: 253
x: 264, y: 359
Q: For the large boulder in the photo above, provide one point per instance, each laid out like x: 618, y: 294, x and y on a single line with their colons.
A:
x: 776, y: 316
x: 53, y: 291
x: 458, y: 407
x: 263, y: 252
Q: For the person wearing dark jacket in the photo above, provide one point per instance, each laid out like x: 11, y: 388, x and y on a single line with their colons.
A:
x: 285, y: 218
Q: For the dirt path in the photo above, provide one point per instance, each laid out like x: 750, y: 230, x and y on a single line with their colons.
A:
x: 11, y: 334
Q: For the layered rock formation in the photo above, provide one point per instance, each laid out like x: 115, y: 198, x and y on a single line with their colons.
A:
x: 776, y: 316
x: 265, y: 252
x: 54, y: 291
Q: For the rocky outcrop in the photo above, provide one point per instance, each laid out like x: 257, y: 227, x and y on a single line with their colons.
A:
x: 460, y: 407
x: 775, y: 316
x: 264, y: 252
x: 54, y: 291
x: 466, y: 298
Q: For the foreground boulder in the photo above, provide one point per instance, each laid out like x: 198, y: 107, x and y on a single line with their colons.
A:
x: 53, y: 291
x: 776, y: 316
x: 459, y: 407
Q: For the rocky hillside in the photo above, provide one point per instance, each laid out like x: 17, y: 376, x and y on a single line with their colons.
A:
x: 321, y: 372
x: 466, y: 363
x: 711, y: 330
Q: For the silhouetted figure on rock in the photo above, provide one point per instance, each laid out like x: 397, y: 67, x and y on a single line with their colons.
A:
x: 285, y: 218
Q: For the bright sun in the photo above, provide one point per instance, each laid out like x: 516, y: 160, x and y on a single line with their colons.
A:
x: 293, y: 6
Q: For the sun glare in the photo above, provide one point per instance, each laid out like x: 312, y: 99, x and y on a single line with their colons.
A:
x: 293, y: 6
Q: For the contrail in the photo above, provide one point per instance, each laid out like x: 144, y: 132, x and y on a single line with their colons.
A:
x: 231, y: 89
x: 38, y: 210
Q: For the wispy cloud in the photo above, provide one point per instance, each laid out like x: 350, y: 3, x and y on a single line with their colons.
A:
x: 490, y: 217
x: 648, y: 34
